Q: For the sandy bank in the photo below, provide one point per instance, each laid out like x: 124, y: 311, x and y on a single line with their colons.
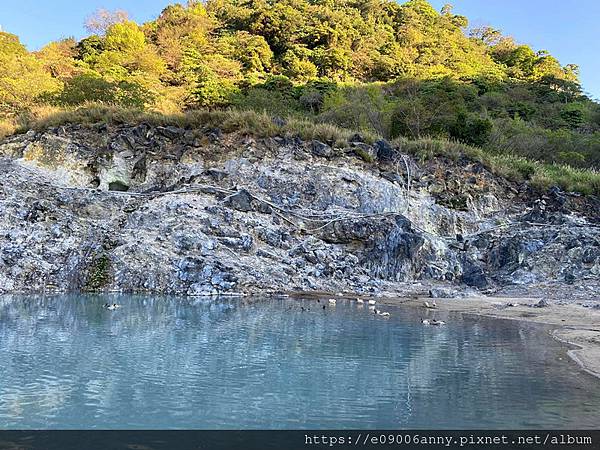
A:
x: 575, y: 324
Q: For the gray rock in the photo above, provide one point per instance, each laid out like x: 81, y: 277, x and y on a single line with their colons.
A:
x: 443, y: 293
x: 321, y: 149
x: 385, y: 152
x: 590, y: 255
x: 241, y: 201
x: 244, y: 242
x: 214, y: 134
x: 474, y: 276
x: 216, y: 174
x: 524, y: 277
x: 170, y: 233
x: 170, y: 132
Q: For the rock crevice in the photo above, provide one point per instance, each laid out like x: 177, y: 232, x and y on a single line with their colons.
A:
x: 198, y: 212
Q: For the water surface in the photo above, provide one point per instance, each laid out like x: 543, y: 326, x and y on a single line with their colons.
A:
x: 65, y: 362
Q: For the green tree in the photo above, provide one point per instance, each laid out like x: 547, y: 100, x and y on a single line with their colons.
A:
x: 573, y: 114
x: 471, y: 130
x: 23, y: 77
x: 89, y: 87
x: 59, y: 58
x: 253, y: 52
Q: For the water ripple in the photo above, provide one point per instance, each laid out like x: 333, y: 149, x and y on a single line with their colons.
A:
x: 178, y: 363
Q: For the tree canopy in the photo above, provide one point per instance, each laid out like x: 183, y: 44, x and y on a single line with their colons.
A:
x: 398, y: 68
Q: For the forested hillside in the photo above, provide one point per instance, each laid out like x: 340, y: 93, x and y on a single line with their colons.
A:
x: 374, y: 66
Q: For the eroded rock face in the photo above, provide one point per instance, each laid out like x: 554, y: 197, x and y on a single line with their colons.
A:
x: 195, y: 212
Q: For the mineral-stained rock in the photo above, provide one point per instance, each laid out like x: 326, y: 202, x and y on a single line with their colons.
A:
x: 138, y: 208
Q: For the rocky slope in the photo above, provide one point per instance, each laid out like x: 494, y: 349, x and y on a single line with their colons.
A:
x: 140, y: 208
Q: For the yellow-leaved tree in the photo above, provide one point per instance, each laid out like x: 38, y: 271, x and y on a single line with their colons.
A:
x: 23, y: 78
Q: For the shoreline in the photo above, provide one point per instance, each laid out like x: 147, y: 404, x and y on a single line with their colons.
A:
x: 571, y: 324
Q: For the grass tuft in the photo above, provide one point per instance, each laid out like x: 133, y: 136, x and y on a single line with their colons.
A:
x: 7, y: 128
x: 514, y: 168
x: 261, y: 124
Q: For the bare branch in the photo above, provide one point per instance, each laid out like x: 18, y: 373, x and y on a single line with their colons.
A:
x: 103, y: 19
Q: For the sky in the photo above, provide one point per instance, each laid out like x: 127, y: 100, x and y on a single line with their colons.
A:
x: 568, y: 29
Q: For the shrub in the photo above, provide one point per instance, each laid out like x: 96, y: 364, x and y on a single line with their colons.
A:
x: 92, y: 88
x: 573, y: 116
x: 512, y: 167
x: 87, y: 88
x: 279, y: 83
x: 471, y: 130
x: 260, y: 99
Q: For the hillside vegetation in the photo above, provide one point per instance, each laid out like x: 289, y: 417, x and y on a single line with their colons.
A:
x: 398, y: 71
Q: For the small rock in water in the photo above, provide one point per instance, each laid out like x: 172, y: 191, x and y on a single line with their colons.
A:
x: 541, y: 304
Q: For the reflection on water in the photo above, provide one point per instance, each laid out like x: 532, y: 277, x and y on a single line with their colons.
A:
x: 65, y: 362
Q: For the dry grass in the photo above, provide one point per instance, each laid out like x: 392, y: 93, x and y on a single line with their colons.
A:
x: 41, y: 118
x: 256, y: 123
x: 514, y: 168
x: 7, y: 127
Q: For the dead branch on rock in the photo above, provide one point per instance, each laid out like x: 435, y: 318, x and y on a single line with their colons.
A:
x: 408, y: 183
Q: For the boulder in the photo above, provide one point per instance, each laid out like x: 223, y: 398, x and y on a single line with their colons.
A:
x: 321, y: 149
x: 241, y: 201
x: 443, y: 293
x: 473, y: 275
x: 170, y: 132
x: 385, y: 152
